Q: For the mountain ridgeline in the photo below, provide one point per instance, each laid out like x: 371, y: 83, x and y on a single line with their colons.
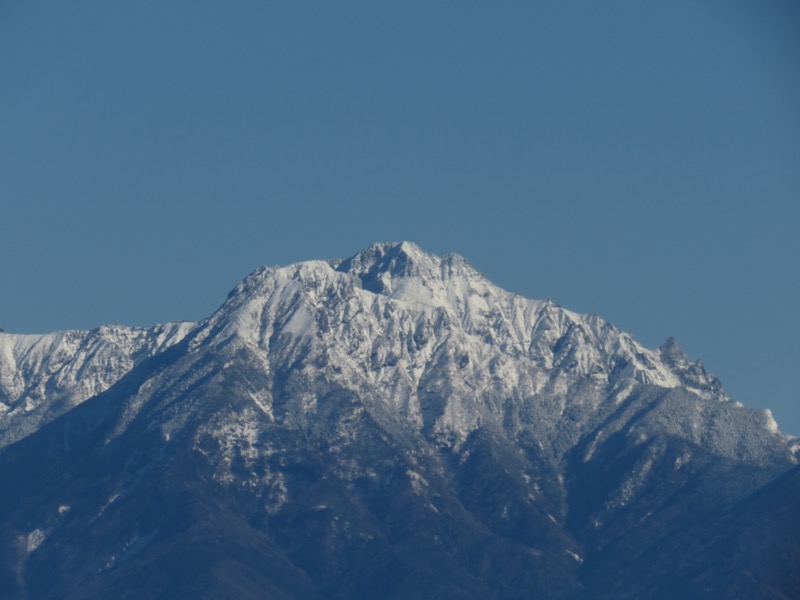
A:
x: 388, y: 426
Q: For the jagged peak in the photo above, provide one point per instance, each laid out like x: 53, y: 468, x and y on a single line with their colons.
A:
x: 382, y: 268
x: 691, y: 373
x: 377, y: 266
x: 395, y: 259
x: 672, y: 353
x: 674, y: 356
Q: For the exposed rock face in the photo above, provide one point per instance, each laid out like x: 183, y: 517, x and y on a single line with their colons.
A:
x: 389, y: 426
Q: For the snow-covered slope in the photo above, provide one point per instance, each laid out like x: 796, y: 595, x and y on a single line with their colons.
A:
x: 43, y: 376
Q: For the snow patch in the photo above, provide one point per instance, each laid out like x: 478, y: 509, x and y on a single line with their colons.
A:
x: 771, y: 424
x: 113, y: 498
x: 34, y: 539
x: 418, y: 482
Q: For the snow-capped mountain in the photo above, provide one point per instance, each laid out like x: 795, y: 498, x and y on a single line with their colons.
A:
x: 388, y: 426
x: 455, y: 352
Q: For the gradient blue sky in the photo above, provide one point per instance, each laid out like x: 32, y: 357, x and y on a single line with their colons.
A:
x: 636, y: 159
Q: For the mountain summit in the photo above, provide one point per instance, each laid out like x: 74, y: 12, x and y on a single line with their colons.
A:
x: 392, y: 425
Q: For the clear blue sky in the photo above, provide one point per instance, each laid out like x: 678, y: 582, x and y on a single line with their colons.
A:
x: 636, y: 159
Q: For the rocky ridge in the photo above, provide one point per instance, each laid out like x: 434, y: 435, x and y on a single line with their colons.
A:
x: 43, y: 376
